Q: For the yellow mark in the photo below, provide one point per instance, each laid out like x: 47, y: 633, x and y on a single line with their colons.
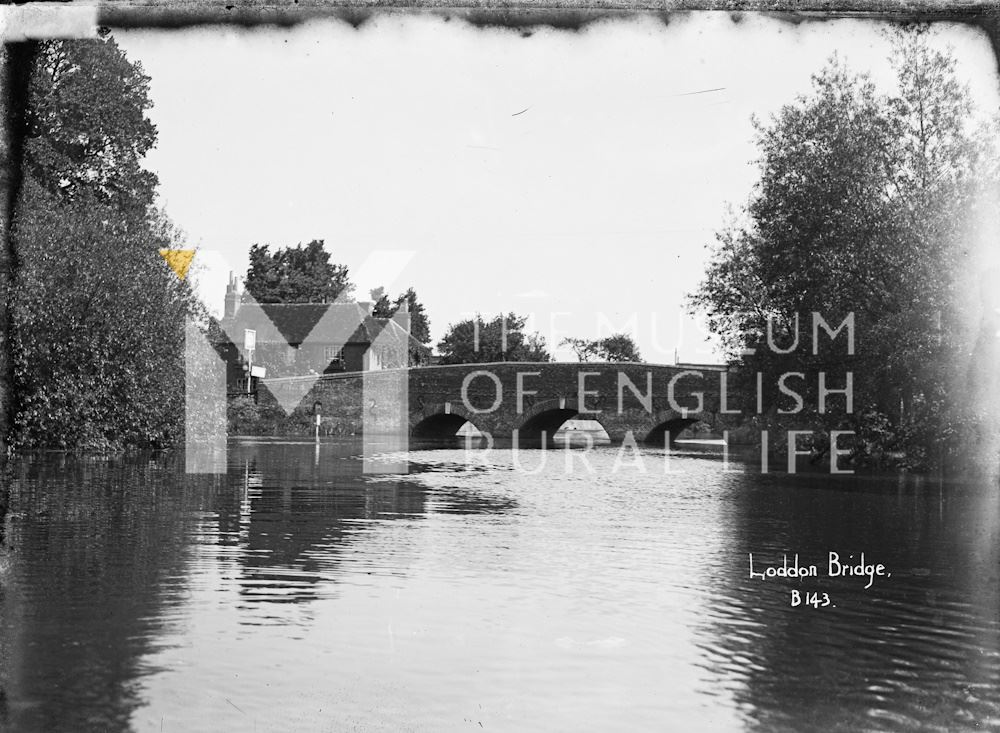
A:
x: 179, y: 260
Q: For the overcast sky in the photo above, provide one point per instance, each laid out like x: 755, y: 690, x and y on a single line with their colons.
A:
x: 576, y: 177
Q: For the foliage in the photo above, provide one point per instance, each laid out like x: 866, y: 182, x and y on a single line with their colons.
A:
x: 383, y: 307
x: 420, y: 325
x: 862, y: 208
x: 476, y: 341
x: 7, y: 61
x: 300, y: 274
x: 97, y: 318
x: 86, y: 125
x: 617, y: 347
x: 246, y: 416
x: 98, y: 329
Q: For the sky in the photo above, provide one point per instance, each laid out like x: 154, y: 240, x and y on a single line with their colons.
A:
x: 577, y: 178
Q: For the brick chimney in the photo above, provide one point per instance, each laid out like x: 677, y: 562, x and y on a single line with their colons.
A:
x: 232, y: 297
x: 402, y: 315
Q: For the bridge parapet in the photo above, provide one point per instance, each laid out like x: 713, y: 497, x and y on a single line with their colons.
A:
x: 652, y: 402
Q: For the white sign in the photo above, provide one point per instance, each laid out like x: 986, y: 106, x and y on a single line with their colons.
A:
x: 258, y: 371
x: 249, y: 339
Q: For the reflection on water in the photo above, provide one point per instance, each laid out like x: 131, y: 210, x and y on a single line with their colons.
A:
x: 491, y: 588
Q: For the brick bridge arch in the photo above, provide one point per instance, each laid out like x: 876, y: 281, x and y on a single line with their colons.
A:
x: 441, y: 420
x: 666, y: 425
x: 536, y: 398
x: 541, y: 421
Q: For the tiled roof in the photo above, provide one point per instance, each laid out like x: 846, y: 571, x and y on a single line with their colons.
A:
x: 375, y: 326
x: 292, y: 322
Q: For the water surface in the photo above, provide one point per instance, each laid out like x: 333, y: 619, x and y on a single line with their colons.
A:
x: 490, y: 591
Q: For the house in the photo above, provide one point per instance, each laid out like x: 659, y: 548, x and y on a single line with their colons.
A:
x: 300, y: 339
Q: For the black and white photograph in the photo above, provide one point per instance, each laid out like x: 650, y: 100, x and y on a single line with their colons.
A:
x: 499, y: 368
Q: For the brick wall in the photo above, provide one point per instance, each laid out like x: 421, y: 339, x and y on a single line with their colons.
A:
x: 436, y: 390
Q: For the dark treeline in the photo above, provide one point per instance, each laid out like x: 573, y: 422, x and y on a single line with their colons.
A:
x: 96, y: 319
x: 306, y: 274
x: 616, y: 347
x: 502, y: 338
x: 867, y: 207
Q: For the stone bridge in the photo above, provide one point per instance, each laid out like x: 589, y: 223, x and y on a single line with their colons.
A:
x: 526, y: 401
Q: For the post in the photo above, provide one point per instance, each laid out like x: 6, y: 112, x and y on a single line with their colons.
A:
x: 249, y: 344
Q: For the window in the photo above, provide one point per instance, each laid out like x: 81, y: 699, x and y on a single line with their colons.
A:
x: 333, y: 354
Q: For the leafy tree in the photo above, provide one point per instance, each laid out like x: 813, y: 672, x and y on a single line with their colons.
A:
x: 585, y: 349
x: 383, y: 307
x: 475, y: 341
x: 420, y: 325
x: 86, y: 130
x: 97, y: 317
x: 861, y: 209
x: 99, y: 330
x: 617, y: 347
x: 10, y: 58
x: 300, y: 274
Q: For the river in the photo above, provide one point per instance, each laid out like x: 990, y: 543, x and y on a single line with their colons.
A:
x: 491, y: 590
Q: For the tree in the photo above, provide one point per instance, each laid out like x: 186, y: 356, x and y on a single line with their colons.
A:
x: 86, y: 126
x: 97, y: 318
x: 420, y: 325
x: 300, y: 274
x: 619, y: 347
x: 383, y: 307
x: 12, y: 67
x: 475, y: 340
x: 585, y: 349
x: 99, y: 330
x: 861, y: 209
